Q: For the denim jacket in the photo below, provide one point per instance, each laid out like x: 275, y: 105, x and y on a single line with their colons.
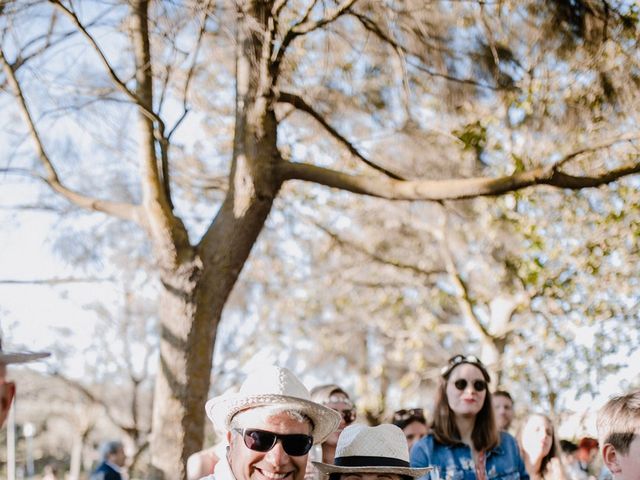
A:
x: 454, y: 462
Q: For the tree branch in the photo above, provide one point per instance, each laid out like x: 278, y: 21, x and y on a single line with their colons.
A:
x: 378, y: 258
x: 299, y: 103
x: 465, y: 303
x: 372, y: 27
x: 95, y: 399
x: 125, y: 211
x: 629, y: 137
x: 114, y: 76
x: 454, y: 189
x: 305, y: 26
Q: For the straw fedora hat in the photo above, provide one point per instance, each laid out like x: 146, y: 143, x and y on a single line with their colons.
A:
x: 273, y: 386
x: 363, y: 449
x: 7, y: 358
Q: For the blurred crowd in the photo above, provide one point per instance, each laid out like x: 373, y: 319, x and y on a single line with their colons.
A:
x: 470, y: 433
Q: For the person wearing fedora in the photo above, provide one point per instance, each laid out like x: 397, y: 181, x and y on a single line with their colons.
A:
x: 7, y: 388
x: 371, y: 453
x: 271, y: 423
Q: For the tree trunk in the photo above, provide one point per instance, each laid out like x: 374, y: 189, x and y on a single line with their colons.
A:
x: 195, y: 293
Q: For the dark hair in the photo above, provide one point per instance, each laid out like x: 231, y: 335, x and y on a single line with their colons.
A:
x: 406, y: 416
x: 619, y: 421
x: 322, y: 393
x: 485, y: 435
x: 553, y: 451
x: 567, y: 446
x: 503, y: 393
x: 110, y: 448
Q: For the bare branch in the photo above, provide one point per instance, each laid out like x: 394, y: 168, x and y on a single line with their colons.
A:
x: 378, y: 258
x: 299, y: 103
x: 114, y: 76
x: 629, y: 137
x: 277, y: 7
x: 465, y: 303
x: 192, y: 68
x: 305, y: 26
x: 124, y: 211
x: 454, y: 189
x: 331, y: 16
x: 371, y: 26
x: 95, y: 399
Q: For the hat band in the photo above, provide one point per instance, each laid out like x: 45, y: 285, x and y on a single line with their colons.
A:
x: 365, y: 461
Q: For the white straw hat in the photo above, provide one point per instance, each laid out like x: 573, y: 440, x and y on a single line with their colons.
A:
x: 273, y: 386
x: 363, y: 449
x: 7, y: 358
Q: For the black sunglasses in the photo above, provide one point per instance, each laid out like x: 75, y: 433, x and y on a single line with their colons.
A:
x: 294, y: 444
x: 407, y: 413
x: 478, y: 385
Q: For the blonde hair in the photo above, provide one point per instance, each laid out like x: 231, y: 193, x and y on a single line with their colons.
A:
x: 619, y: 421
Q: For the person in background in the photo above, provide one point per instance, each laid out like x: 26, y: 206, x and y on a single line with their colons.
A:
x: 50, y: 472
x: 202, y: 463
x: 113, y: 459
x: 587, y: 451
x: 271, y: 424
x: 371, y: 453
x: 413, y: 424
x: 337, y: 399
x: 503, y: 409
x: 540, y: 450
x: 7, y: 388
x: 618, y: 425
x: 568, y: 451
x: 464, y: 442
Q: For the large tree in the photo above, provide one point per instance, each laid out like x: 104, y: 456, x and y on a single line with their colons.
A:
x: 498, y: 97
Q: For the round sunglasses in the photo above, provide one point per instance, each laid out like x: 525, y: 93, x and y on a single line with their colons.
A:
x: 478, y: 385
x: 294, y: 444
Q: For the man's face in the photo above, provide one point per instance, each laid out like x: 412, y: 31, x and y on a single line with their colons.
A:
x: 626, y: 467
x: 274, y: 464
x: 414, y: 432
x: 118, y: 458
x: 7, y: 392
x: 503, y: 410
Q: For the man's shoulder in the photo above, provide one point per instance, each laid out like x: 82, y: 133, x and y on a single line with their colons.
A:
x: 105, y: 472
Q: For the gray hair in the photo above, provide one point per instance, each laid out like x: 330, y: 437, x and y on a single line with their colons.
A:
x: 248, y: 418
x: 110, y: 448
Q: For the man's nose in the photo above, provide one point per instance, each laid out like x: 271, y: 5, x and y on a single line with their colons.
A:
x: 277, y: 456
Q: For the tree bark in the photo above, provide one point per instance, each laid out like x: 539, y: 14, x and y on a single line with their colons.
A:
x: 196, y: 290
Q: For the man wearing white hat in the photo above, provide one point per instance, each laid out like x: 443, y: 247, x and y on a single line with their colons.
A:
x: 271, y: 425
x: 371, y: 453
x: 8, y: 389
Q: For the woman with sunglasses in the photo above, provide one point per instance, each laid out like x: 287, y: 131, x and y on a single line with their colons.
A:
x: 413, y: 424
x: 464, y: 443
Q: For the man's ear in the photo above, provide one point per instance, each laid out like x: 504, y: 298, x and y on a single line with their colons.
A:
x: 228, y: 437
x: 610, y: 458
